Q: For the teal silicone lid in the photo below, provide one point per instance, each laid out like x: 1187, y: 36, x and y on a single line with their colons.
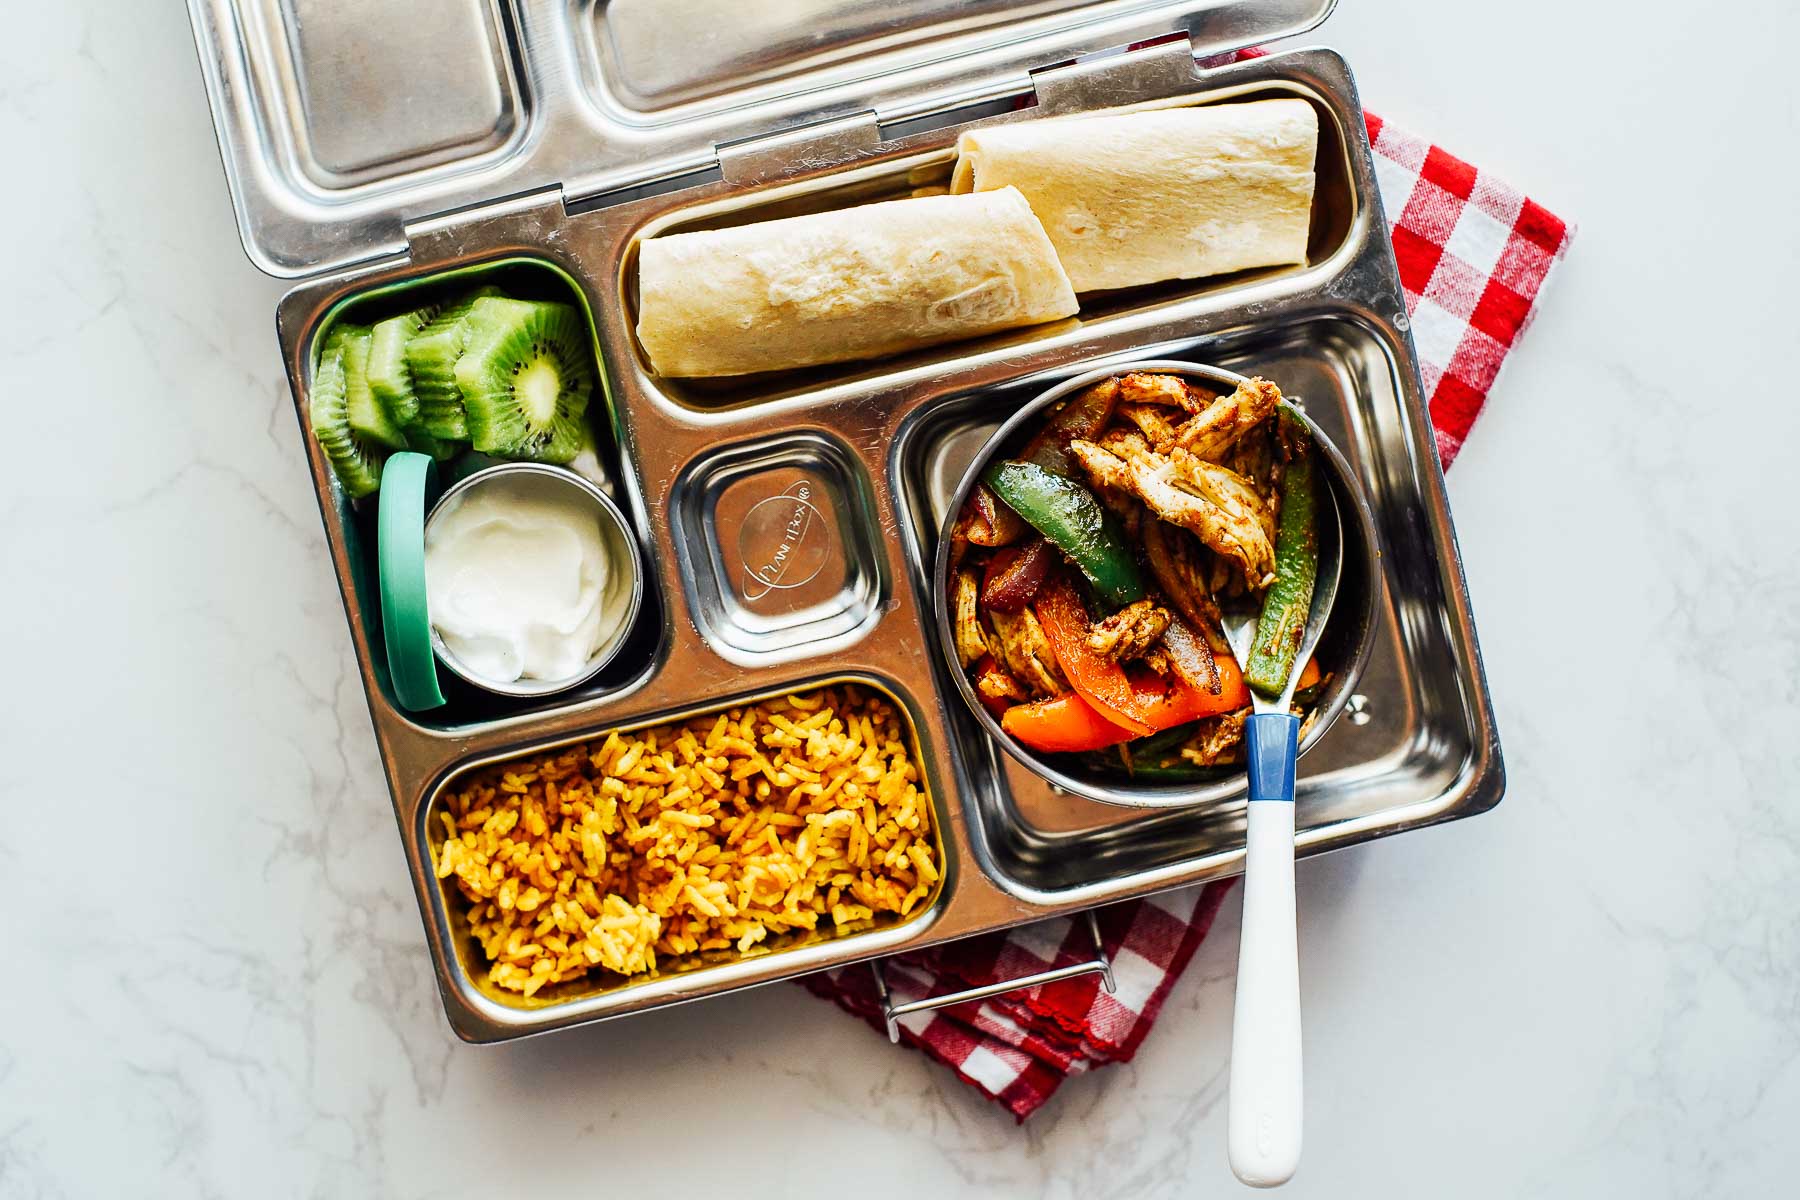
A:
x: 406, y: 481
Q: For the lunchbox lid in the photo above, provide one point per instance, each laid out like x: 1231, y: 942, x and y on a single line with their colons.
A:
x: 341, y: 122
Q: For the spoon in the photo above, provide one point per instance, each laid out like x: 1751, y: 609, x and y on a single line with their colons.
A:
x: 1264, y: 1121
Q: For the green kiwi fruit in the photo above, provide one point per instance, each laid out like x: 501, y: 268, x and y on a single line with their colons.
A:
x: 355, y: 460
x: 525, y: 375
x: 426, y: 442
x: 368, y: 418
x: 389, y: 376
x: 430, y: 354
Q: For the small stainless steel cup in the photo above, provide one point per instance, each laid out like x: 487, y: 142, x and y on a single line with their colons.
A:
x: 621, y: 545
x: 1349, y: 635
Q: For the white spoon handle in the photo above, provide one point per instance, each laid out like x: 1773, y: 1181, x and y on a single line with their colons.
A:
x: 1265, y: 1034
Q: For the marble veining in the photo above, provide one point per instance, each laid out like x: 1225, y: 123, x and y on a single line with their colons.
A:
x: 218, y: 984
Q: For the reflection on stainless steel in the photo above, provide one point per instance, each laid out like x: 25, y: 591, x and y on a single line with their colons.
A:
x: 605, y: 94
x: 653, y: 54
x: 380, y: 90
x: 779, y: 547
x: 1013, y: 851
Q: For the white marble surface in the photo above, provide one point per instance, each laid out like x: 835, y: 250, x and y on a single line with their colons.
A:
x: 216, y: 980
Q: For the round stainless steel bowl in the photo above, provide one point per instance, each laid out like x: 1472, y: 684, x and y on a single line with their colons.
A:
x: 1344, y: 648
x: 615, y: 532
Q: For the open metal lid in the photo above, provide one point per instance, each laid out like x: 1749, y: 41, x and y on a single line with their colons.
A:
x: 341, y: 122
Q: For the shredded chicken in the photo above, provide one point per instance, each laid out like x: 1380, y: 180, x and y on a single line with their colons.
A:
x: 1125, y: 506
x: 1203, y: 497
x: 1254, y: 459
x: 1175, y: 562
x: 997, y: 684
x: 1130, y: 632
x: 1140, y: 387
x: 1169, y: 391
x: 1235, y: 496
x: 1153, y: 422
x: 1217, y: 740
x: 1020, y: 645
x: 1199, y: 399
x: 1225, y: 420
x: 971, y: 642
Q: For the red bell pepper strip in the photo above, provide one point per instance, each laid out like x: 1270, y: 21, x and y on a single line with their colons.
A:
x: 1171, y: 702
x: 1065, y: 723
x: 1068, y: 723
x: 1095, y: 677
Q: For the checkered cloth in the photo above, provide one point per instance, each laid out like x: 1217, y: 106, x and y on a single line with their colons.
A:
x: 1473, y: 257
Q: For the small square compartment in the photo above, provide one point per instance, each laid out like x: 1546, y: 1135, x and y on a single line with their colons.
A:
x: 776, y: 540
x: 466, y: 705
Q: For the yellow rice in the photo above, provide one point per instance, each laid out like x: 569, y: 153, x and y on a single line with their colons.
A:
x: 711, y: 834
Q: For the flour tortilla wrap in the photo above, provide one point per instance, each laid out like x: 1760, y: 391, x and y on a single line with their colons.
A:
x: 1133, y: 198
x: 855, y: 283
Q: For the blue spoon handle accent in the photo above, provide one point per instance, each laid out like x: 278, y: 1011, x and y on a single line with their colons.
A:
x: 1270, y: 743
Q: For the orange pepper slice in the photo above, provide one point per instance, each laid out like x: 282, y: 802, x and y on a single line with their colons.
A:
x: 1167, y: 703
x: 1096, y: 678
x: 1062, y: 725
x: 1068, y: 724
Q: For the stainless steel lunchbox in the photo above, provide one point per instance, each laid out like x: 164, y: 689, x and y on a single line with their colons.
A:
x: 540, y: 141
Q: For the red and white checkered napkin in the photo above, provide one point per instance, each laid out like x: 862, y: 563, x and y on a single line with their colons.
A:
x: 1473, y: 256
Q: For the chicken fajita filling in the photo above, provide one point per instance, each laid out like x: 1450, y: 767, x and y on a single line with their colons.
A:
x: 1089, y: 572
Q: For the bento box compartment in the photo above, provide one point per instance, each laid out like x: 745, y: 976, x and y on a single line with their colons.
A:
x: 654, y: 55
x: 383, y: 89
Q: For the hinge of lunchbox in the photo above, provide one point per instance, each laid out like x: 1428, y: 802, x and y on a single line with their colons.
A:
x: 524, y: 218
x: 816, y: 146
x: 1109, y: 78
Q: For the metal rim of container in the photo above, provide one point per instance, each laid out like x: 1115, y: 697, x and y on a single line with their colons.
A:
x: 633, y: 556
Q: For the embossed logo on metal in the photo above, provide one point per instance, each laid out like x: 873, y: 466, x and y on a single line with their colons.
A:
x: 783, y: 543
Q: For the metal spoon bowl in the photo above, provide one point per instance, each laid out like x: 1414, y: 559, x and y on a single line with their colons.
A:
x: 1240, y: 623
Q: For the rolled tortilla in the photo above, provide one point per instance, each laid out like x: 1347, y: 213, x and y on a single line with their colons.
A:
x: 855, y: 283
x: 1132, y: 198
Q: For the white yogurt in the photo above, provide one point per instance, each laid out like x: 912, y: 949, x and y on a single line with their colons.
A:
x: 519, y: 579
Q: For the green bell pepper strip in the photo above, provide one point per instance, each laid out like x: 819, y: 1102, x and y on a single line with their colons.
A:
x: 1079, y: 525
x: 1159, y: 744
x: 1289, y: 600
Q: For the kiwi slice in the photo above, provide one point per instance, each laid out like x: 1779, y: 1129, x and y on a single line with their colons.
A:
x: 355, y: 460
x: 368, y: 419
x: 426, y: 442
x: 389, y: 376
x: 525, y: 376
x: 431, y: 353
